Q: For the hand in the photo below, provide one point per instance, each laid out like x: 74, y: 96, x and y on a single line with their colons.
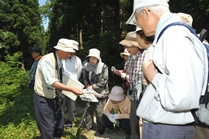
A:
x: 149, y: 70
x: 89, y: 87
x: 77, y: 91
x: 113, y: 69
x: 123, y: 75
x: 111, y: 118
x: 115, y: 116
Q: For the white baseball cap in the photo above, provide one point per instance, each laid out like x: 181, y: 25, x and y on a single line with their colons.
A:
x: 144, y: 3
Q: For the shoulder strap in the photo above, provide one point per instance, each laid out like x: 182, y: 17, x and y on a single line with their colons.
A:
x: 60, y: 70
x: 203, y: 34
x: 180, y: 24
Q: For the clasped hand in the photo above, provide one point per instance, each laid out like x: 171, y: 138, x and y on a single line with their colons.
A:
x: 149, y: 70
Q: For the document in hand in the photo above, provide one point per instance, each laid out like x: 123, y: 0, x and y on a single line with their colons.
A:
x: 73, y: 83
x: 89, y: 95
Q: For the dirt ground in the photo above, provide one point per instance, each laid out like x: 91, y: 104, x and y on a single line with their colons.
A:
x: 119, y: 134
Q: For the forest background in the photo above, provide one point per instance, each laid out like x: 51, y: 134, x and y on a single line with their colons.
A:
x: 93, y: 23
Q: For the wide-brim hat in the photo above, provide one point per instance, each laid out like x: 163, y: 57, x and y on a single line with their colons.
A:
x: 95, y: 53
x: 125, y: 53
x: 141, y: 4
x: 186, y: 18
x: 66, y: 45
x: 130, y: 40
x: 116, y: 94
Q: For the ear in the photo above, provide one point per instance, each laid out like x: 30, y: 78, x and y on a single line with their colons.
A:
x: 146, y: 12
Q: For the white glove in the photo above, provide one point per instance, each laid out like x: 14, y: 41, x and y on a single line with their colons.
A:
x: 111, y: 118
x: 113, y: 69
x: 123, y: 75
x: 115, y: 116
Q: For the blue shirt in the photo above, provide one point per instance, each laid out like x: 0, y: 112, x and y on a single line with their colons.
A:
x: 47, y: 69
x: 33, y: 70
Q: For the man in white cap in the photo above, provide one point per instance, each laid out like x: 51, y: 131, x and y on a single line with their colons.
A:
x: 177, y: 72
x: 72, y: 69
x: 47, y: 91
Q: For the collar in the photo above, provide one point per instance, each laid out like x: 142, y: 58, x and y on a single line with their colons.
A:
x: 37, y: 58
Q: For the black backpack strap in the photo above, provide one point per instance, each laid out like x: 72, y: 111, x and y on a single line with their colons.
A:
x: 203, y: 34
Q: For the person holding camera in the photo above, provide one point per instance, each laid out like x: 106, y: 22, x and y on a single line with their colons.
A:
x: 133, y: 69
x: 122, y: 73
x: 47, y: 90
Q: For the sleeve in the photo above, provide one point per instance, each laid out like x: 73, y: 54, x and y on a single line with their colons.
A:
x: 80, y: 66
x: 85, y: 81
x: 179, y: 85
x: 48, y: 71
x: 108, y: 107
x: 103, y: 80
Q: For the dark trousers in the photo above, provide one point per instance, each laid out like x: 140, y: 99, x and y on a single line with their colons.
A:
x: 98, y: 108
x: 49, y: 117
x: 123, y: 123
x: 134, y: 120
x: 69, y: 109
x: 162, y: 131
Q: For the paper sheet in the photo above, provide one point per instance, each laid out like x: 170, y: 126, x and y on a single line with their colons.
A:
x: 89, y: 95
x: 73, y: 83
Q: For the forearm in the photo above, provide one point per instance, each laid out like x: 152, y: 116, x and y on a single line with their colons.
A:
x: 123, y: 116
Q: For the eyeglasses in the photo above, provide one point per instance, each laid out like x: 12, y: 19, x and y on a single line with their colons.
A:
x: 136, y: 16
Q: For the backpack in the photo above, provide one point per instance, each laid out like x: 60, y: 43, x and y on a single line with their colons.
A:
x: 201, y: 115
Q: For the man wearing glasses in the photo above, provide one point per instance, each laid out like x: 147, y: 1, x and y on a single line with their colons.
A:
x: 177, y: 72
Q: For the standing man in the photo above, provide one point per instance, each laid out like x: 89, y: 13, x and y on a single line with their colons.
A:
x: 72, y: 69
x: 177, y: 72
x: 133, y: 69
x: 47, y: 91
x: 36, y: 55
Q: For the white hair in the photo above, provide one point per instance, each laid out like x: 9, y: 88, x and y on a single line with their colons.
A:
x: 157, y: 9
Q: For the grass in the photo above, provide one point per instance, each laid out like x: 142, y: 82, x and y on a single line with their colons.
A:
x: 17, y: 119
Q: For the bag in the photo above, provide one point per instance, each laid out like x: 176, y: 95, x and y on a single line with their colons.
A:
x: 201, y: 115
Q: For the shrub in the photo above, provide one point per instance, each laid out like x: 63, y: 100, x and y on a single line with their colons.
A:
x: 13, y: 78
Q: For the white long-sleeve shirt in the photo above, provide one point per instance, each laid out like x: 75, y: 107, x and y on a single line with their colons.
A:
x: 182, y: 59
x: 72, y: 67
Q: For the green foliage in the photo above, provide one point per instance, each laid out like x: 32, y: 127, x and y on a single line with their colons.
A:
x: 18, y: 119
x: 12, y: 78
x: 20, y: 28
x: 116, y: 123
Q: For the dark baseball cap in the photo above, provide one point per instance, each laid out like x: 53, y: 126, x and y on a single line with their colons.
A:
x: 36, y: 49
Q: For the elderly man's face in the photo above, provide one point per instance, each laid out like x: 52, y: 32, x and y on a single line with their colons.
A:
x: 145, y: 19
x: 63, y: 55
